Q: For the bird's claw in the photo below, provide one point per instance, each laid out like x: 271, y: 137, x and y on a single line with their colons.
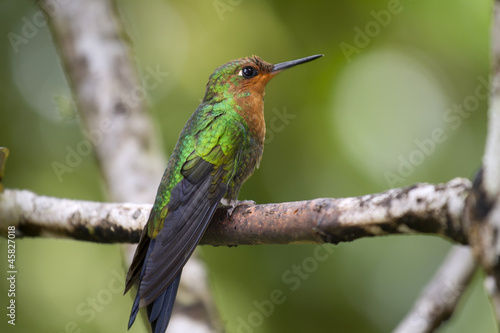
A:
x: 231, y: 205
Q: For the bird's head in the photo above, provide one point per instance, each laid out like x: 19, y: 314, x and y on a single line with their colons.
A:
x: 245, y: 77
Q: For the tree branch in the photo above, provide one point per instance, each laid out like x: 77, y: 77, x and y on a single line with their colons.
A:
x: 104, y: 81
x: 439, y: 299
x: 422, y: 208
x: 482, y: 214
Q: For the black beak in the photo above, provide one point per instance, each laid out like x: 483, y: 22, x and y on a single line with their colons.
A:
x: 284, y: 65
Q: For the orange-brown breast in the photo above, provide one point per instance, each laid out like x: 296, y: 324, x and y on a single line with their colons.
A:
x: 250, y: 99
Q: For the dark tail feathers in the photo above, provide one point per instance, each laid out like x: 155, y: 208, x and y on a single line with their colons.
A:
x: 160, y: 310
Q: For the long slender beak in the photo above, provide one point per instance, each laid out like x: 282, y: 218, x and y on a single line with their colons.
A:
x: 284, y: 65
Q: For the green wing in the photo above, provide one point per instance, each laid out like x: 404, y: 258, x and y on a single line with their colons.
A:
x: 178, y: 227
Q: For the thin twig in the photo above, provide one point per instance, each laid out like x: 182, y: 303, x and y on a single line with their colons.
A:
x: 4, y: 153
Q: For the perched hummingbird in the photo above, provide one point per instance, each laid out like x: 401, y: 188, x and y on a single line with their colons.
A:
x: 218, y: 149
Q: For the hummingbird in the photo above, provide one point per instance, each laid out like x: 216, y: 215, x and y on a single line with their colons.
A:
x: 219, y: 148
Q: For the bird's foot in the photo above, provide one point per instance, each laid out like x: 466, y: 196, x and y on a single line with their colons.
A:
x: 231, y: 205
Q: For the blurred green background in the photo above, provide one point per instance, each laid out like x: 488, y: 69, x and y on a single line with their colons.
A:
x: 361, y: 120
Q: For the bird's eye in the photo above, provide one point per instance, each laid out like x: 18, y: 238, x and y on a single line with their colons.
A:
x: 248, y: 72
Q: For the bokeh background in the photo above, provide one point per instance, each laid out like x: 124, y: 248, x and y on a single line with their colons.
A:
x: 356, y: 122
